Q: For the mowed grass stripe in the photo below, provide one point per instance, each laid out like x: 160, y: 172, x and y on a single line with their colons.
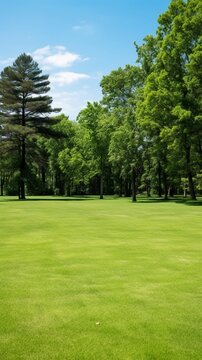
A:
x: 90, y: 279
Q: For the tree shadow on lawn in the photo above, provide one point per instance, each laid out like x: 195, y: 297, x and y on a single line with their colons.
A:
x: 141, y: 199
x: 189, y: 202
x: 151, y: 200
x: 28, y: 199
x: 184, y: 201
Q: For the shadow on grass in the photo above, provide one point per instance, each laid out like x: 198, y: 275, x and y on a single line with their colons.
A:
x: 190, y: 202
x: 140, y: 199
x: 28, y: 199
x: 152, y: 200
x: 176, y: 200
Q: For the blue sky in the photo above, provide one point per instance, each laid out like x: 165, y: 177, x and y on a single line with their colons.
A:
x: 76, y: 41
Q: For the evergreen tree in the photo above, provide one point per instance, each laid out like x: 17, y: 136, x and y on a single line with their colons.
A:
x: 25, y: 110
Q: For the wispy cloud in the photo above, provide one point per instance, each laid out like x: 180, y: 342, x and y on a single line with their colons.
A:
x: 78, y: 27
x: 51, y: 57
x: 67, y: 77
x: 85, y: 59
x: 55, y: 56
x: 83, y: 26
x: 71, y: 102
x: 7, y: 62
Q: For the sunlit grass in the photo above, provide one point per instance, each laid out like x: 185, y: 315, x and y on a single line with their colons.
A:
x: 90, y: 279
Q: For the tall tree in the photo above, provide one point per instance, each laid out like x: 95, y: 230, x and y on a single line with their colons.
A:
x: 65, y: 128
x: 25, y: 110
x: 120, y: 89
x: 170, y: 103
x: 180, y: 37
x: 94, y: 118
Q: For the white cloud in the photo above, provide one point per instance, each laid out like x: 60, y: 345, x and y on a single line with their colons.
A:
x: 50, y: 57
x: 55, y: 56
x: 70, y: 90
x: 7, y: 62
x: 62, y: 60
x: 67, y: 77
x: 39, y: 54
x: 72, y: 102
x: 69, y: 102
x: 60, y: 47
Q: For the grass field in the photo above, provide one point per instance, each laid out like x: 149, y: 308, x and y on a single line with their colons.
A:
x: 89, y: 279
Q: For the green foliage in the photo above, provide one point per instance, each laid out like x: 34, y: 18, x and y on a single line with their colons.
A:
x: 144, y: 135
x: 94, y: 122
x: 169, y: 106
x: 24, y: 111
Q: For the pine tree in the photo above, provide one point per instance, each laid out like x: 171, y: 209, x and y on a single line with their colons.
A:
x: 25, y: 110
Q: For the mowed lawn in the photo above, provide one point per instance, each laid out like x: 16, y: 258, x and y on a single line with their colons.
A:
x: 90, y: 279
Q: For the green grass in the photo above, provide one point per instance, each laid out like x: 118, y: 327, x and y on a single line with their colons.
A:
x: 133, y: 268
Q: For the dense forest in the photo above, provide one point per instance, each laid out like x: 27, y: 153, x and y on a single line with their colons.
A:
x: 144, y: 136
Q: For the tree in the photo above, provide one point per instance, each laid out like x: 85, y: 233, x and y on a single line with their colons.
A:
x: 65, y: 128
x: 25, y: 110
x: 120, y: 89
x: 94, y: 119
x: 180, y: 38
x: 170, y: 104
x: 76, y: 161
x: 125, y: 151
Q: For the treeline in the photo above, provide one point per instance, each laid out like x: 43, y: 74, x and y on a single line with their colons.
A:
x: 145, y: 136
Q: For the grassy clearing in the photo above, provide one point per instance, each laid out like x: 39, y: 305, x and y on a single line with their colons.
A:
x: 100, y: 280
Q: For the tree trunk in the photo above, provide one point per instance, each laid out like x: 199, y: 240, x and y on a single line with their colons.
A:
x: 2, y: 184
x: 127, y: 192
x: 148, y: 187
x: 101, y: 186
x: 165, y: 185
x: 59, y: 184
x: 133, y: 185
x: 171, y: 191
x: 22, y: 171
x: 22, y: 157
x: 43, y: 179
x: 68, y: 188
x: 120, y: 186
x: 191, y: 186
x: 189, y: 173
x: 159, y: 180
